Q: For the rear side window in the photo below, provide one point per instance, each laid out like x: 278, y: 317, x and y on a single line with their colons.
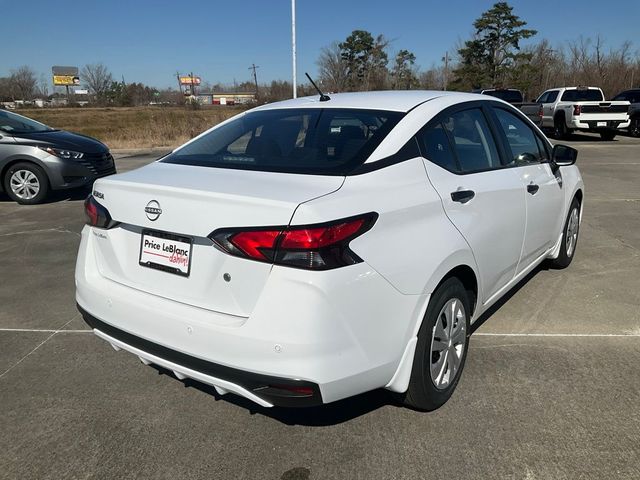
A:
x: 472, y: 140
x: 437, y: 147
x: 582, y: 96
x: 314, y: 141
x: 520, y: 137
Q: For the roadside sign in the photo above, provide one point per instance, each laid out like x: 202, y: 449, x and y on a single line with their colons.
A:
x: 187, y: 80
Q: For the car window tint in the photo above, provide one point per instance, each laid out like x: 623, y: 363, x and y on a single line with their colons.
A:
x: 328, y: 141
x: 543, y: 98
x: 437, y: 147
x: 473, y: 142
x: 543, y: 148
x: 552, y: 96
x: 520, y: 136
x: 576, y: 95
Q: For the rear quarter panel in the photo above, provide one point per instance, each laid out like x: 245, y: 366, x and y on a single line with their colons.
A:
x: 413, y: 244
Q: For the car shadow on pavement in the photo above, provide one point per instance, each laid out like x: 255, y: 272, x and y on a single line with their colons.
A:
x: 56, y: 196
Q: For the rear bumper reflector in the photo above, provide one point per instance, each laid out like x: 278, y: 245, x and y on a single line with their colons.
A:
x: 266, y: 390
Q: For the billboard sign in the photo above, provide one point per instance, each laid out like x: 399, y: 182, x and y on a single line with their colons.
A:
x: 65, y: 75
x: 65, y: 80
x: 187, y: 80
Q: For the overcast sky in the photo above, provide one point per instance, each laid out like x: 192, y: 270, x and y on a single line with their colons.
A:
x: 148, y: 41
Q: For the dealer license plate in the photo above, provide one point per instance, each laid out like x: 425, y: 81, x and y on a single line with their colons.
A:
x: 166, y: 251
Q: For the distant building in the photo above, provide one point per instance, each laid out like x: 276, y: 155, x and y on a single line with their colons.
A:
x: 226, y: 98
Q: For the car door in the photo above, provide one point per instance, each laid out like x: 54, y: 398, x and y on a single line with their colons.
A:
x: 484, y: 200
x: 548, y: 100
x: 529, y: 154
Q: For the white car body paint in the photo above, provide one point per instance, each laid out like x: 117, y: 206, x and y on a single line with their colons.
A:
x: 349, y: 329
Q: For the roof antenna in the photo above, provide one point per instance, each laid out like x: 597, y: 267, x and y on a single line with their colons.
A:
x: 323, y: 97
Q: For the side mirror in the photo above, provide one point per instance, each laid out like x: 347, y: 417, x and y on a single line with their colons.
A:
x: 563, y: 155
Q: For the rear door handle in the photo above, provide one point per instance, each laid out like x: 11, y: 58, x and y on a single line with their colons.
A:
x: 532, y: 188
x: 462, y: 196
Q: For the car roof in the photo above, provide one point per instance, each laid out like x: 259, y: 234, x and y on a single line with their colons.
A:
x: 393, y: 100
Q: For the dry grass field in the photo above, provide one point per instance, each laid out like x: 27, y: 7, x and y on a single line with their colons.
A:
x: 134, y: 127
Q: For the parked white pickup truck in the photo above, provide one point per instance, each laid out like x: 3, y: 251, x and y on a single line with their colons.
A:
x: 582, y: 108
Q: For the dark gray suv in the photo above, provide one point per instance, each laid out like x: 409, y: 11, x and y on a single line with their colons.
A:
x: 35, y: 159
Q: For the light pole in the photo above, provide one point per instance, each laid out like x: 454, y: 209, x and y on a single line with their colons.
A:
x: 293, y: 45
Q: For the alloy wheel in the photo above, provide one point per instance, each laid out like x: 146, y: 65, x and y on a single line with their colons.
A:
x: 572, y: 232
x: 448, y: 343
x: 24, y: 184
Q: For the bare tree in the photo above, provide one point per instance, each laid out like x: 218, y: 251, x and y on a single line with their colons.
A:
x: 43, y: 85
x: 98, y: 79
x: 333, y: 69
x: 24, y: 82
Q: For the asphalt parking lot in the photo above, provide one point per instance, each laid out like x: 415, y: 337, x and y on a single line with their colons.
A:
x: 551, y: 388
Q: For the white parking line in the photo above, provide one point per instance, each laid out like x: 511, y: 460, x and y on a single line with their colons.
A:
x: 597, y: 335
x: 43, y: 330
x: 53, y: 332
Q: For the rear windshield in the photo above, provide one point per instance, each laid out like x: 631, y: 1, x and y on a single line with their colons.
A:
x: 314, y: 141
x: 582, y: 96
x: 511, y: 96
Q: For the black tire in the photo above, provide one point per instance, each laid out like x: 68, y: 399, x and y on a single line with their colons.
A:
x: 422, y: 393
x: 42, y: 179
x: 634, y: 128
x: 560, y: 130
x: 566, y: 254
x: 608, y: 136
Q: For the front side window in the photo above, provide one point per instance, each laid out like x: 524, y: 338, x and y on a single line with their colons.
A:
x: 552, y: 96
x: 319, y: 141
x: 472, y: 140
x: 520, y: 137
x: 543, y: 98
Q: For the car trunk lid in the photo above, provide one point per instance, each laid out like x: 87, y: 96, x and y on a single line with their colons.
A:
x: 191, y: 202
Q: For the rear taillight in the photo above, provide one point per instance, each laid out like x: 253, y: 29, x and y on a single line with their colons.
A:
x: 577, y: 109
x: 314, y: 247
x: 540, y: 112
x: 97, y: 215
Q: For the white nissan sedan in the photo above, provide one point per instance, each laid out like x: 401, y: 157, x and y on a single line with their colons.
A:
x: 314, y: 249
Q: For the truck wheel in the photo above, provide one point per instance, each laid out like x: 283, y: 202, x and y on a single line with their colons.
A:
x: 560, y: 130
x: 608, y: 136
x: 634, y: 129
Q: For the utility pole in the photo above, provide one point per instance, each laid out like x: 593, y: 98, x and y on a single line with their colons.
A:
x: 446, y: 70
x: 255, y: 76
x: 293, y: 45
x: 179, y: 84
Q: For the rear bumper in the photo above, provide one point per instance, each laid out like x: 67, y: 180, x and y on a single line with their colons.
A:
x: 340, y: 332
x: 583, y: 124
x: 265, y: 390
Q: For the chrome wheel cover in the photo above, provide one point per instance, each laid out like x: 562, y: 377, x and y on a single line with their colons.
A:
x: 572, y: 232
x: 24, y: 184
x: 448, y: 341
